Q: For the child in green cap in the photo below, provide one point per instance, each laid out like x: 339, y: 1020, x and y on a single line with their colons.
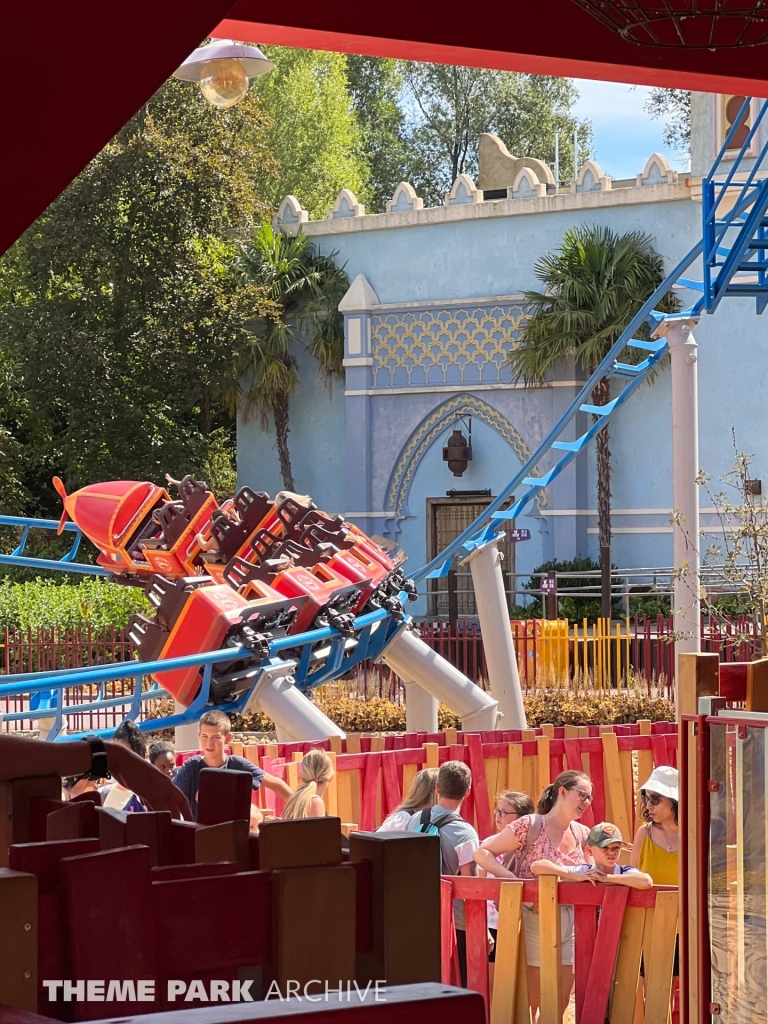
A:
x: 604, y: 844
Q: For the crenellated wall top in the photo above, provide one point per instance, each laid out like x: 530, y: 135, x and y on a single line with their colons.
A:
x: 530, y: 192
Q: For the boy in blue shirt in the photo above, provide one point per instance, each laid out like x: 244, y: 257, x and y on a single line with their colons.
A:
x: 214, y: 733
x: 604, y: 844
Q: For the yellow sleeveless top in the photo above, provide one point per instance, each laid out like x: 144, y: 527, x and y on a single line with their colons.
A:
x: 658, y: 863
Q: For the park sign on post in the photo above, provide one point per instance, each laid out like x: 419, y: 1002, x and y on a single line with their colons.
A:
x: 516, y: 535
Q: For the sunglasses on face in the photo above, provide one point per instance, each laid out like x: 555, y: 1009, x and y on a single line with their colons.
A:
x: 583, y: 795
x: 652, y: 798
x: 503, y: 814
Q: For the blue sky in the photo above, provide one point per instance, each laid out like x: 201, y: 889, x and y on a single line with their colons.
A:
x: 624, y: 135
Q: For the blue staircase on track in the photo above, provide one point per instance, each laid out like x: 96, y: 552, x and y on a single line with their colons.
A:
x: 732, y: 259
x: 733, y: 256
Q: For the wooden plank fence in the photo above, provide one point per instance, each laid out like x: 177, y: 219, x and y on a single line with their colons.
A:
x: 373, y: 773
x: 632, y: 925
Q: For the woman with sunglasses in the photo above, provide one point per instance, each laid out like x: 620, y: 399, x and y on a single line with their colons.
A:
x: 655, y: 849
x: 554, y: 833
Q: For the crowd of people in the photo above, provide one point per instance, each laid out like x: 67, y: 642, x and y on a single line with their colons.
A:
x: 526, y: 843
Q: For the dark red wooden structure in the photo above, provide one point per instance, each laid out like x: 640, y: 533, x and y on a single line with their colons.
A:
x: 75, y: 73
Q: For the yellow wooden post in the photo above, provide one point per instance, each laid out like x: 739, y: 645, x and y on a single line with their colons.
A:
x: 409, y: 774
x: 353, y: 744
x: 658, y: 967
x: 585, y: 634
x: 507, y: 953
x: 451, y: 737
x: 334, y: 743
x: 614, y: 789
x: 522, y: 1004
x: 292, y: 774
x: 547, y: 729
x: 515, y: 766
x: 549, y: 949
x: 431, y: 755
x: 331, y: 795
x: 598, y: 655
x: 344, y: 807
x: 622, y: 1010
x: 542, y: 764
x: 378, y: 743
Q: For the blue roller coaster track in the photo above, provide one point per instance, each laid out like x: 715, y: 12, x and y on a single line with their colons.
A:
x: 733, y: 260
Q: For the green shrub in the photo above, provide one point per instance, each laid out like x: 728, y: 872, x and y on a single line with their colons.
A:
x: 43, y: 604
x: 650, y: 605
x: 377, y: 714
x: 576, y: 609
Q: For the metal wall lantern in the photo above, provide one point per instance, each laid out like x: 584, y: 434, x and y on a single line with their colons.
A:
x: 223, y: 69
x: 458, y: 451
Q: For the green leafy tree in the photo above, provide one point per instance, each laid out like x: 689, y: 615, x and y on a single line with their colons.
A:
x: 593, y: 286
x: 673, y: 105
x: 314, y: 133
x: 448, y: 109
x: 304, y: 289
x: 118, y: 311
x: 376, y: 86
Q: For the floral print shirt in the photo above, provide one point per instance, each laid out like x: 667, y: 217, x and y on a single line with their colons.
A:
x: 543, y: 849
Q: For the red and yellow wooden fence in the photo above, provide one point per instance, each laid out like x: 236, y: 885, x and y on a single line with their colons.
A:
x: 372, y: 773
x: 633, y: 925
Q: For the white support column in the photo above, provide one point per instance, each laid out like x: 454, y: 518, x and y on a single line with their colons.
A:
x: 296, y: 718
x: 410, y: 658
x: 504, y: 679
x: 685, y: 490
x: 420, y: 709
x: 185, y: 736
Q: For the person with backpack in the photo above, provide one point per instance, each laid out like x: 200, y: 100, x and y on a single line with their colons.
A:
x: 454, y: 780
x: 420, y: 796
x: 554, y: 834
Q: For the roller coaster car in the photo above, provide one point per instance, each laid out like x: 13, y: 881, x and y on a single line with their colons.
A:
x: 170, y: 544
x: 329, y: 596
x: 249, y: 511
x: 195, y: 616
x: 114, y: 515
x: 318, y: 528
x: 352, y: 564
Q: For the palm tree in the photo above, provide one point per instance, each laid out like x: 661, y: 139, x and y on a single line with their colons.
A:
x: 594, y: 284
x: 301, y: 290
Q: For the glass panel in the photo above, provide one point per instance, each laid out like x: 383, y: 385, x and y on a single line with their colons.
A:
x: 737, y: 874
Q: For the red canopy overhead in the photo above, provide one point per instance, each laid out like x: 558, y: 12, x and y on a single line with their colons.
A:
x: 74, y: 73
x: 553, y: 38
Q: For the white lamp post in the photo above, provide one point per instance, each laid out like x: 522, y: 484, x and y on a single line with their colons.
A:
x: 223, y: 69
x: 685, y: 467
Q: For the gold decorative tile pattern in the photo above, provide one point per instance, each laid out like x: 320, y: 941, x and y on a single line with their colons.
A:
x: 460, y: 345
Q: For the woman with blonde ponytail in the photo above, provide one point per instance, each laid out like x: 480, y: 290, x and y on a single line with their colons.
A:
x: 316, y: 773
x: 554, y: 833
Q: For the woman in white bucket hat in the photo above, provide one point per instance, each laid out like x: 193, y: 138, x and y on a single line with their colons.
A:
x: 655, y: 849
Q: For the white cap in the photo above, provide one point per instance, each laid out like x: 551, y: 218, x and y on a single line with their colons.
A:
x: 663, y: 781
